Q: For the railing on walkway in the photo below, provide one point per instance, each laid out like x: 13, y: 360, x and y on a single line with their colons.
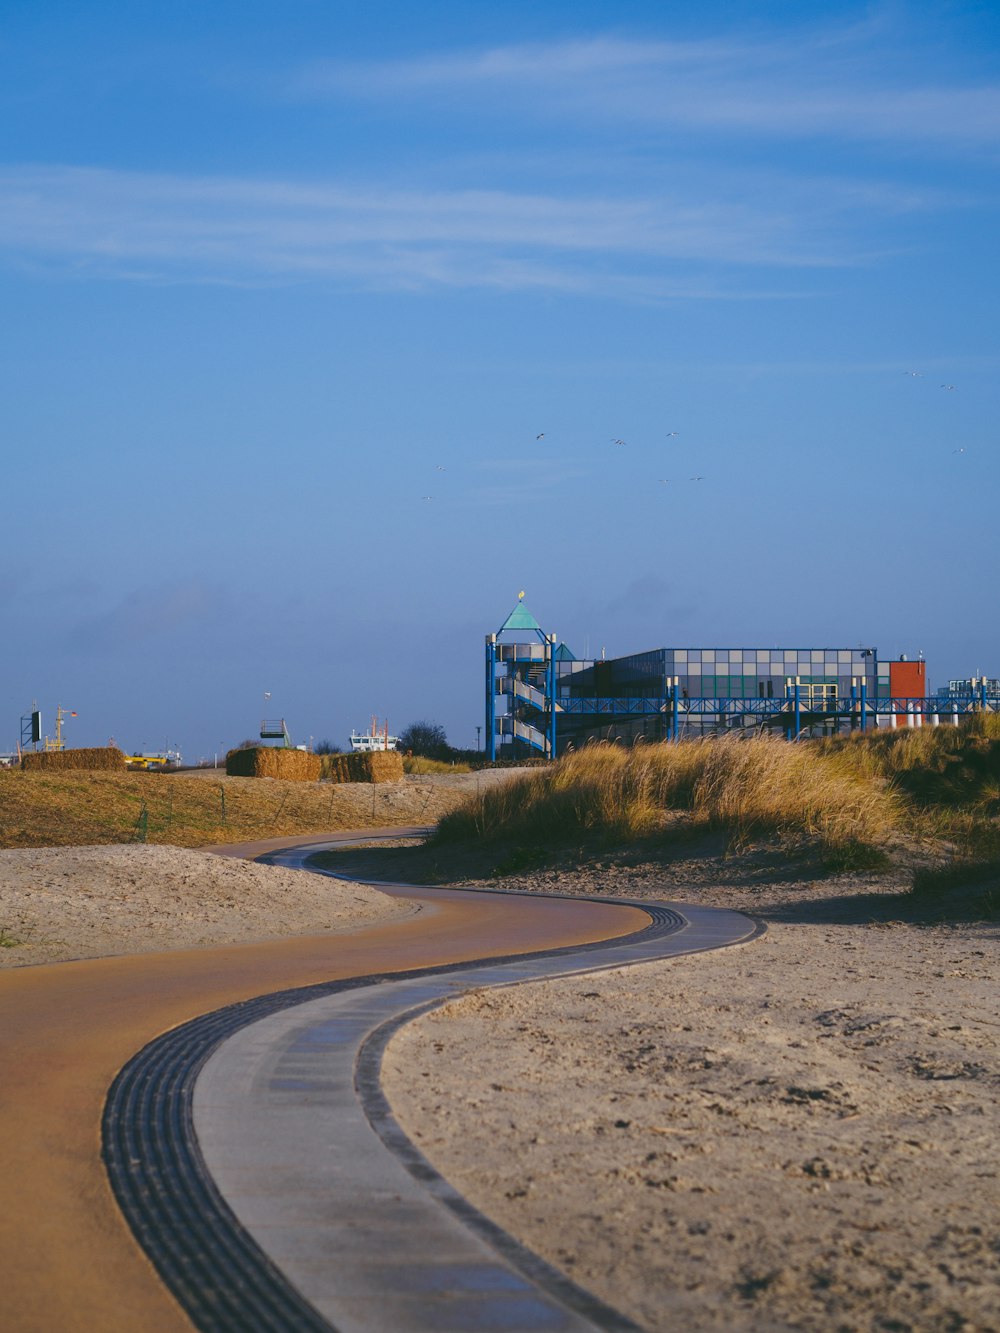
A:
x: 794, y: 713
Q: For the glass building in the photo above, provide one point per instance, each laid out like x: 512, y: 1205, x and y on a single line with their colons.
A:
x: 542, y: 698
x: 729, y: 673
x: 823, y: 675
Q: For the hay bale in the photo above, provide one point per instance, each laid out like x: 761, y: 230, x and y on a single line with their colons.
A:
x: 385, y: 766
x: 103, y: 757
x: 269, y: 761
x: 364, y: 766
x: 334, y: 767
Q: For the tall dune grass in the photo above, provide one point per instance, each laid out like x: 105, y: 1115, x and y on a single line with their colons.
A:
x: 948, y: 767
x: 950, y: 777
x: 746, y: 787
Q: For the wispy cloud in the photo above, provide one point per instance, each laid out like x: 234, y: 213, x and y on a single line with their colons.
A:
x: 813, y: 83
x: 149, y: 614
x: 648, y: 595
x: 146, y: 225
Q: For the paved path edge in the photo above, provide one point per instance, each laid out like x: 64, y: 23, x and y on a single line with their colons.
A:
x: 223, y: 1278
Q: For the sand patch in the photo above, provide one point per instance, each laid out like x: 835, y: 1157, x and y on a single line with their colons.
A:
x: 799, y: 1133
x: 58, y: 903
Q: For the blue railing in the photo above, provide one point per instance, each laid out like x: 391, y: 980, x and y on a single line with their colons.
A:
x: 756, y: 707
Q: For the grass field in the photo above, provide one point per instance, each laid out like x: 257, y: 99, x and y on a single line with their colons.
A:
x: 416, y: 763
x: 80, y: 808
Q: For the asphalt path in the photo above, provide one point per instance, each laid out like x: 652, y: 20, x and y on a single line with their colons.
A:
x: 68, y: 1259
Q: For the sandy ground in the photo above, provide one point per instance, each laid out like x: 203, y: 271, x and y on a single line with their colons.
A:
x: 88, y: 902
x: 800, y: 1133
x: 797, y: 1134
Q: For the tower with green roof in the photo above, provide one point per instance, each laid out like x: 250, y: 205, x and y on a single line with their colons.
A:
x: 521, y: 703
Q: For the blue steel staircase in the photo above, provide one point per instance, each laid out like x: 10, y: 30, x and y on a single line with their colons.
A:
x: 521, y: 685
x: 527, y: 709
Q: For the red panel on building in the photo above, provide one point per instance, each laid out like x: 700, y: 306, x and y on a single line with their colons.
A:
x: 907, y: 680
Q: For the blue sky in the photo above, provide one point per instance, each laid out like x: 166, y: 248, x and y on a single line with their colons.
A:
x: 270, y: 274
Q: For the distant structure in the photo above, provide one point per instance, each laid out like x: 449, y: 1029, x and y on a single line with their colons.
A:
x: 275, y: 729
x: 542, y: 700
x: 971, y: 688
x: 375, y: 739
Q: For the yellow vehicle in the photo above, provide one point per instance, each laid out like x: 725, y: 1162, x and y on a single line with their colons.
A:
x: 153, y: 762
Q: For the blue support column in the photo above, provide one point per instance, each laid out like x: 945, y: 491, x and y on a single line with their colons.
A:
x: 798, y: 709
x: 864, y: 703
x: 491, y: 697
x: 552, y: 697
x: 854, y: 702
x: 675, y: 690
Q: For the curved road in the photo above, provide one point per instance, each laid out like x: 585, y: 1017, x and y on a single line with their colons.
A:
x: 68, y: 1259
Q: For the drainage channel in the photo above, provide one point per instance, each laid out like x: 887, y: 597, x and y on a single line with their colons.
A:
x: 260, y: 1167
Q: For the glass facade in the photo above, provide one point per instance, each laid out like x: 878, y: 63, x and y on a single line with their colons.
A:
x: 728, y: 673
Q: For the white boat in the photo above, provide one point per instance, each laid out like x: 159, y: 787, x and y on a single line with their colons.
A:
x: 366, y: 742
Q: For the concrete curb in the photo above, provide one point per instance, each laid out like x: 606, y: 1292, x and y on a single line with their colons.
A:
x: 256, y: 1158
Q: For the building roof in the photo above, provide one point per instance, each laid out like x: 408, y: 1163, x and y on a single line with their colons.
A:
x: 521, y: 618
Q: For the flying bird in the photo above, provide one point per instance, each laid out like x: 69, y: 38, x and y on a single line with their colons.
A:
x: 541, y: 436
x: 439, y: 468
x: 427, y: 497
x: 947, y: 386
x: 664, y: 481
x: 958, y: 451
x: 915, y: 373
x: 618, y: 442
x: 671, y: 432
x: 696, y: 478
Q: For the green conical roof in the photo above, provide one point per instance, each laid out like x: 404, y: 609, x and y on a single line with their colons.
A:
x: 520, y: 618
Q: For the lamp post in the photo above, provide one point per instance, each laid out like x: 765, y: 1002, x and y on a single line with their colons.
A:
x: 478, y: 733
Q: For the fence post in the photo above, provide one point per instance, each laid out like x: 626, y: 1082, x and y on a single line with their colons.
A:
x: 141, y: 825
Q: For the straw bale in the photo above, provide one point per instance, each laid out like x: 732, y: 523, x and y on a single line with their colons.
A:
x: 97, y: 757
x: 269, y: 761
x: 361, y: 766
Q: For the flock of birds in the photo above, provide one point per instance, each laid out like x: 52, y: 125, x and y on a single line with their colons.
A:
x: 664, y: 481
x: 671, y: 434
x: 616, y: 440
